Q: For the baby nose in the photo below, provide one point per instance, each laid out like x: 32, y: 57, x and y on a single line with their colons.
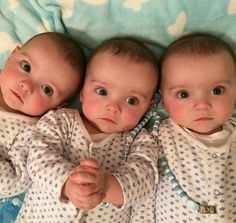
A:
x: 202, y: 103
x: 113, y: 107
x: 26, y: 86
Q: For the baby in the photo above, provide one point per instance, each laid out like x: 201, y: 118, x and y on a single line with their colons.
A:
x: 197, y: 143
x: 38, y: 76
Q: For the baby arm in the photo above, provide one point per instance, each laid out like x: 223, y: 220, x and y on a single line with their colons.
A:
x: 48, y: 162
x: 14, y: 178
x: 138, y: 175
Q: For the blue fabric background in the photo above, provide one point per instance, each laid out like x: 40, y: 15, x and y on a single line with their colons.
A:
x: 156, y: 22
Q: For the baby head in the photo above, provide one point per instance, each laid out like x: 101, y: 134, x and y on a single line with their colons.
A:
x: 120, y: 82
x: 198, y: 82
x: 42, y: 74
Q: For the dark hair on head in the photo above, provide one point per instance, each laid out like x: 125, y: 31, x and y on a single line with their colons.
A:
x: 126, y: 46
x: 198, y: 44
x: 69, y: 48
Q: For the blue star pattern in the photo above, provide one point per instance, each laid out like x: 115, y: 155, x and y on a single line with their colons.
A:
x: 157, y: 23
x: 10, y: 207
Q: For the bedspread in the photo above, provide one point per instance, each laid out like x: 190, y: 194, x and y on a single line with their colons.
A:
x: 155, y: 22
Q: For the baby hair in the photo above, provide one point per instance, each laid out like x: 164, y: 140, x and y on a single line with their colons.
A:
x: 198, y: 44
x: 126, y: 46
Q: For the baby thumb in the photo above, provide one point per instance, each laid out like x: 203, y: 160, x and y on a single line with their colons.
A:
x: 89, y: 162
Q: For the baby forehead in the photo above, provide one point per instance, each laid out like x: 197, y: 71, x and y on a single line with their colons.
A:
x: 215, y: 67
x: 197, y: 55
x: 221, y: 61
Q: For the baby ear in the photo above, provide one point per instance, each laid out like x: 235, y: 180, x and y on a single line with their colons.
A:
x: 15, y: 49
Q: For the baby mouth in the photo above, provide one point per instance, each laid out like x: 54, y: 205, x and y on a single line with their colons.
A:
x: 17, y: 96
x: 203, y: 119
x: 108, y: 120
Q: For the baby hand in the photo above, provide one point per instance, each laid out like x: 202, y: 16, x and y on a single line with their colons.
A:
x: 90, y: 175
x: 85, y: 187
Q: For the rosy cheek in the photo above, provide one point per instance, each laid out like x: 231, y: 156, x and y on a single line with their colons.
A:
x: 133, y: 119
x: 38, y: 107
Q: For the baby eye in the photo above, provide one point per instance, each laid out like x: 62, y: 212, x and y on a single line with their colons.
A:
x: 26, y: 66
x: 47, y: 90
x: 183, y: 94
x: 132, y: 100
x: 217, y: 90
x: 101, y: 91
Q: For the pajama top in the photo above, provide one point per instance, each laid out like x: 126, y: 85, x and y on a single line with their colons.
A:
x: 13, y: 174
x: 57, y: 145
x: 207, y: 174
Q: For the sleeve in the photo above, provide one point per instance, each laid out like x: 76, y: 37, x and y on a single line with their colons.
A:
x: 139, y: 174
x: 14, y: 178
x: 47, y: 164
x: 144, y: 211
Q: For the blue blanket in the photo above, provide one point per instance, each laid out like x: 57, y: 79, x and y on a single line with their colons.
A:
x: 156, y: 22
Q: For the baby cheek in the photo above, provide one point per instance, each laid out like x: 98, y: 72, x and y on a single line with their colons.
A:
x: 225, y: 113
x: 130, y: 120
x: 179, y: 114
x: 38, y: 107
x: 90, y: 105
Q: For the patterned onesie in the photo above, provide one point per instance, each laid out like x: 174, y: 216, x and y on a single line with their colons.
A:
x: 13, y: 177
x: 57, y: 145
x: 202, y: 172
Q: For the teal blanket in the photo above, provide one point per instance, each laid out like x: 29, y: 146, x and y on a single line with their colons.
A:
x: 155, y: 22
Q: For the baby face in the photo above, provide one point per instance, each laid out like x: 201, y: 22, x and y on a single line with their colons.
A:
x: 37, y: 78
x: 117, y: 92
x: 199, y: 91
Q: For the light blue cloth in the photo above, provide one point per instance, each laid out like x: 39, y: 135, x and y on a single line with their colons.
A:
x: 10, y: 207
x: 156, y: 22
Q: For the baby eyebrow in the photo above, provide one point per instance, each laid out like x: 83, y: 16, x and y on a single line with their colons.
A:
x: 177, y: 87
x: 27, y: 57
x: 138, y: 95
x: 99, y: 83
x: 223, y: 82
x: 131, y: 93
